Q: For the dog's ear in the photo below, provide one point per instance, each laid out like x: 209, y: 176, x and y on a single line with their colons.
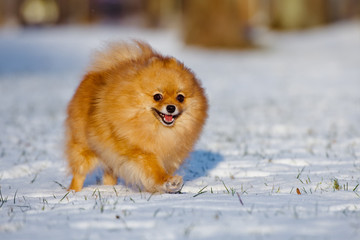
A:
x: 165, y: 61
x: 152, y: 59
x: 171, y: 61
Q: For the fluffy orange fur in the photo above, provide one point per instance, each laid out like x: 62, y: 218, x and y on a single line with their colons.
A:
x: 119, y: 118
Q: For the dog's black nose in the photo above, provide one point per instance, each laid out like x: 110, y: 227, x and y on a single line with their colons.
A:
x: 170, y: 108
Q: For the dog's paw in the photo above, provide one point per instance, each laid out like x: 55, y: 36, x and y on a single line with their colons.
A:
x: 173, y: 184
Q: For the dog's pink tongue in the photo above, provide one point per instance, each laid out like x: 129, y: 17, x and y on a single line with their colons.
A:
x: 168, y: 118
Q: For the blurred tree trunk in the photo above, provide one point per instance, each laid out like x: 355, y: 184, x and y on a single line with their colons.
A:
x: 301, y: 14
x: 8, y: 9
x: 162, y: 13
x: 344, y: 9
x: 297, y: 14
x: 219, y: 23
x: 45, y: 12
x: 74, y: 11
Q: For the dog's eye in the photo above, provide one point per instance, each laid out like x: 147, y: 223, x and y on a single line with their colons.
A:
x: 180, y: 98
x: 158, y: 97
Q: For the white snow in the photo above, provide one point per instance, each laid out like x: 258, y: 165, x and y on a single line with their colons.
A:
x: 283, y: 118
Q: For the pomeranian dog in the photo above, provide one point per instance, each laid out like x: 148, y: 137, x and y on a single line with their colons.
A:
x: 137, y: 114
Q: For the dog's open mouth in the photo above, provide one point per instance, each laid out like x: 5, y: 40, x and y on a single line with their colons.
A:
x: 166, y: 119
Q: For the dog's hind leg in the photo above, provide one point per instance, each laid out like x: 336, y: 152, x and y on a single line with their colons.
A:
x: 81, y: 161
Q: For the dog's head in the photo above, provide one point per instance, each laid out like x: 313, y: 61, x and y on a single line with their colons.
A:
x: 171, y: 92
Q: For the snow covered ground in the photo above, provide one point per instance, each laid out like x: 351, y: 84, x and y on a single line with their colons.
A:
x: 279, y: 157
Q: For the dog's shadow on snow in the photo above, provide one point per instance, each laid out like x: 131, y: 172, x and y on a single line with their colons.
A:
x: 197, y: 165
x: 94, y: 178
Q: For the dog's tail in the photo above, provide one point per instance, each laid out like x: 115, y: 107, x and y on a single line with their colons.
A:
x: 118, y: 52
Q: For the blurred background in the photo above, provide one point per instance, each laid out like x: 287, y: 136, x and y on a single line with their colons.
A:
x: 209, y: 23
x: 282, y: 78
